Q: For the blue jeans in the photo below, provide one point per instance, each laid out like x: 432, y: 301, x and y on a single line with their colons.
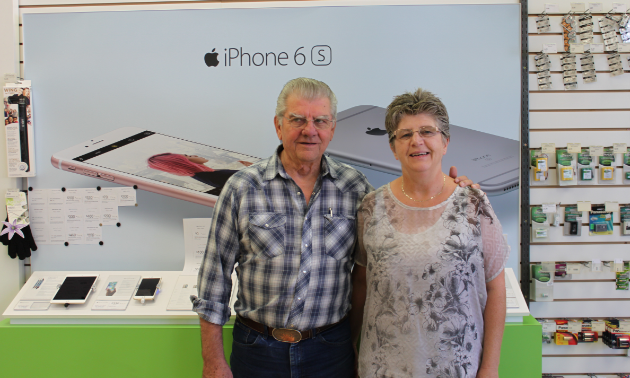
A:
x: 328, y: 354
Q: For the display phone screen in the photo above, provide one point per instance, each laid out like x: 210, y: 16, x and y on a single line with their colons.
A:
x: 175, y: 161
x: 147, y: 287
x: 75, y: 288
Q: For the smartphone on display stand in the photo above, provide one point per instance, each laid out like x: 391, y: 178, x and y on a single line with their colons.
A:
x: 148, y: 289
x: 155, y: 162
x: 75, y: 289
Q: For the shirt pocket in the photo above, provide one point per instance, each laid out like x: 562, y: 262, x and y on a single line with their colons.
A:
x: 266, y: 233
x: 339, y: 233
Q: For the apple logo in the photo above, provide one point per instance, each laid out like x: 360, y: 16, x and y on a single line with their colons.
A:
x: 211, y: 59
x: 375, y: 131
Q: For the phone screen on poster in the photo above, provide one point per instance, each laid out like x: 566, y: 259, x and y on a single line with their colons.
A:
x: 147, y: 287
x: 130, y: 156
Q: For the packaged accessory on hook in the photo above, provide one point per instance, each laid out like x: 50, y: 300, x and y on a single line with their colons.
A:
x: 540, y: 166
x: 607, y: 164
x: 624, y: 220
x: 569, y: 71
x: 624, y: 28
x: 585, y: 25
x: 566, y: 167
x: 586, y: 167
x: 540, y: 224
x: 542, y: 23
x: 543, y: 66
x: 16, y: 232
x: 626, y: 167
x: 600, y: 222
x: 608, y: 26
x: 572, y: 221
x: 569, y: 35
x: 587, y: 64
x: 18, y: 122
x: 614, y: 63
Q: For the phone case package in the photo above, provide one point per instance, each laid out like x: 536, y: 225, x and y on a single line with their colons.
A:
x: 566, y: 167
x: 624, y: 220
x: 586, y: 168
x: 607, y: 164
x: 18, y: 125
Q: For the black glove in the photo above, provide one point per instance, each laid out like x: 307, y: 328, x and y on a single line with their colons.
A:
x: 19, y: 246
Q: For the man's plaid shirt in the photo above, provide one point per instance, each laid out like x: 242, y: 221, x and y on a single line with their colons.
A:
x: 294, y: 259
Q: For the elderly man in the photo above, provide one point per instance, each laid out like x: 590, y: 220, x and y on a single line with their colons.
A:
x: 289, y: 222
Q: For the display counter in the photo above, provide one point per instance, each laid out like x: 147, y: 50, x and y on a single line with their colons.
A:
x: 147, y: 340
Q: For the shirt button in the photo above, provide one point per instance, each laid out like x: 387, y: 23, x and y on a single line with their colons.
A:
x: 304, y: 271
x: 266, y: 225
x: 299, y: 193
x: 306, y: 245
x: 299, y: 299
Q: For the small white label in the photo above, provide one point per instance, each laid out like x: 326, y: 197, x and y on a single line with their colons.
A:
x: 598, y: 326
x: 542, y: 164
x: 576, y: 48
x: 612, y: 206
x: 578, y: 7
x: 110, y: 305
x: 575, y: 326
x: 620, y: 148
x: 618, y: 265
x: 597, y: 47
x: 574, y: 148
x: 608, y: 173
x: 573, y: 268
x: 548, y: 207
x: 550, y: 48
x: 541, y: 233
x: 596, y: 7
x: 567, y: 173
x: 584, y: 205
x: 548, y: 148
x: 596, y: 150
x: 548, y: 266
x: 619, y: 7
x: 623, y: 47
x: 548, y: 326
x: 552, y: 8
x: 10, y: 78
x: 596, y: 266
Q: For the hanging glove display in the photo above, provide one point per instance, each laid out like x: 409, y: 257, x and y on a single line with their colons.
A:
x: 18, y: 238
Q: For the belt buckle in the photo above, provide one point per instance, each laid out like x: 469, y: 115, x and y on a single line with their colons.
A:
x: 286, y: 335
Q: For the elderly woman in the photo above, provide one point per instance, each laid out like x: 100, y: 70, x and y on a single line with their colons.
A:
x: 429, y: 290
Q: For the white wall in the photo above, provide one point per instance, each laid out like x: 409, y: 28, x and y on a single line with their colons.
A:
x: 9, y: 269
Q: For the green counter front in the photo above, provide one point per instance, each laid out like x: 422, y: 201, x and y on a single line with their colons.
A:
x: 169, y: 351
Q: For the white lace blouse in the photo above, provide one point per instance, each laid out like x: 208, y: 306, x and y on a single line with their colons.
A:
x: 427, y: 270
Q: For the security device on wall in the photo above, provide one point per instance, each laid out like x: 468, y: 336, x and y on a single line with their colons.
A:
x: 491, y: 160
x: 123, y: 156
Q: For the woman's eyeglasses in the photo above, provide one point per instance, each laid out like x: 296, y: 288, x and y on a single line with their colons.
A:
x: 425, y: 132
x: 319, y: 123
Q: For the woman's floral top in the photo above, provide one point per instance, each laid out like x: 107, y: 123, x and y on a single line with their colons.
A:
x: 427, y: 270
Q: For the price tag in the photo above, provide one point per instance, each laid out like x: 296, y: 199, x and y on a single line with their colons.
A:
x: 597, y: 47
x: 618, y: 264
x: 548, y: 148
x: 548, y: 266
x: 619, y: 7
x: 598, y: 326
x: 578, y: 7
x: 596, y: 7
x: 573, y: 268
x: 620, y: 148
x: 574, y: 148
x: 10, y: 78
x: 575, y: 326
x: 576, y: 48
x: 552, y: 8
x: 612, y: 206
x: 548, y: 326
x: 623, y: 47
x: 596, y: 266
x: 548, y: 207
x: 584, y: 205
x: 550, y: 48
x: 596, y: 150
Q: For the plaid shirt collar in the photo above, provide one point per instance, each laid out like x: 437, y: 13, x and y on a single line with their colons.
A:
x: 275, y: 167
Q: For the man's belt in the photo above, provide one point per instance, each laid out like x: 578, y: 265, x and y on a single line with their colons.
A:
x: 286, y: 335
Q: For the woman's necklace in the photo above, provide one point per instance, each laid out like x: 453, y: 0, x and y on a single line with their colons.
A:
x: 402, y: 186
